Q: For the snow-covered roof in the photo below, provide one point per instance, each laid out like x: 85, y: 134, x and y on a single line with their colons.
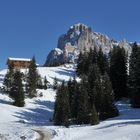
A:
x: 19, y: 59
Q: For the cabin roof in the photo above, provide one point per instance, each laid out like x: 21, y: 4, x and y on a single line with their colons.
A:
x: 18, y: 59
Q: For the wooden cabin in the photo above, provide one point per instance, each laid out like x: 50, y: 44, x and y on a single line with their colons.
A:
x: 19, y: 63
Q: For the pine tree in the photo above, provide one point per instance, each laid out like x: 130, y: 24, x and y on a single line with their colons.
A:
x: 93, y: 74
x: 71, y: 91
x: 55, y: 84
x: 45, y: 83
x: 108, y: 108
x: 118, y: 72
x: 66, y: 107
x: 80, y: 64
x: 134, y: 76
x: 132, y: 70
x: 94, y: 118
x: 39, y: 82
x: 32, y: 79
x: 98, y: 93
x: 102, y: 62
x: 83, y: 110
x: 8, y: 80
x: 17, y: 92
x: 85, y: 60
x: 62, y: 109
x: 74, y: 99
x: 95, y: 55
x: 91, y: 56
x: 57, y: 116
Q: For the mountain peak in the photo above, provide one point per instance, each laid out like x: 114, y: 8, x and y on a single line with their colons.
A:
x: 78, y: 37
x: 78, y: 25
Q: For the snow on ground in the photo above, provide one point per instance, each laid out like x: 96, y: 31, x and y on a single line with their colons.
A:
x: 61, y: 73
x: 124, y: 127
x: 17, y: 123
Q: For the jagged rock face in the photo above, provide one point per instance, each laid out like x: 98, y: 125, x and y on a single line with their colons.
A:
x: 127, y: 46
x: 72, y: 36
x: 76, y: 39
x: 55, y: 57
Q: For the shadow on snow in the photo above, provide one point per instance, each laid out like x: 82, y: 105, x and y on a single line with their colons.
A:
x: 40, y: 116
x: 120, y: 124
x: 128, y: 116
x: 5, y: 102
x: 65, y: 72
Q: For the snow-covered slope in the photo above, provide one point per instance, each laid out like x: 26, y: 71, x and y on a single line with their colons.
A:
x: 61, y: 73
x: 17, y: 123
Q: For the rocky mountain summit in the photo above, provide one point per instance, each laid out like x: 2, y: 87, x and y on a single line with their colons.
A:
x: 78, y: 37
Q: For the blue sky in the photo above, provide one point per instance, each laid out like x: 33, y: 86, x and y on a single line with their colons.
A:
x: 32, y: 27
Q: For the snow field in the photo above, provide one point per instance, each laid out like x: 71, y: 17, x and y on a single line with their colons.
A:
x: 16, y: 122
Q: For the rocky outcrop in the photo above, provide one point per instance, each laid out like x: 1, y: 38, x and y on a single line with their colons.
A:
x: 54, y: 58
x: 78, y: 37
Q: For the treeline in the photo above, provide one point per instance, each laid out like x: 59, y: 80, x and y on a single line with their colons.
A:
x: 91, y: 99
x: 18, y: 84
x: 125, y: 74
x: 134, y: 76
x: 104, y: 80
